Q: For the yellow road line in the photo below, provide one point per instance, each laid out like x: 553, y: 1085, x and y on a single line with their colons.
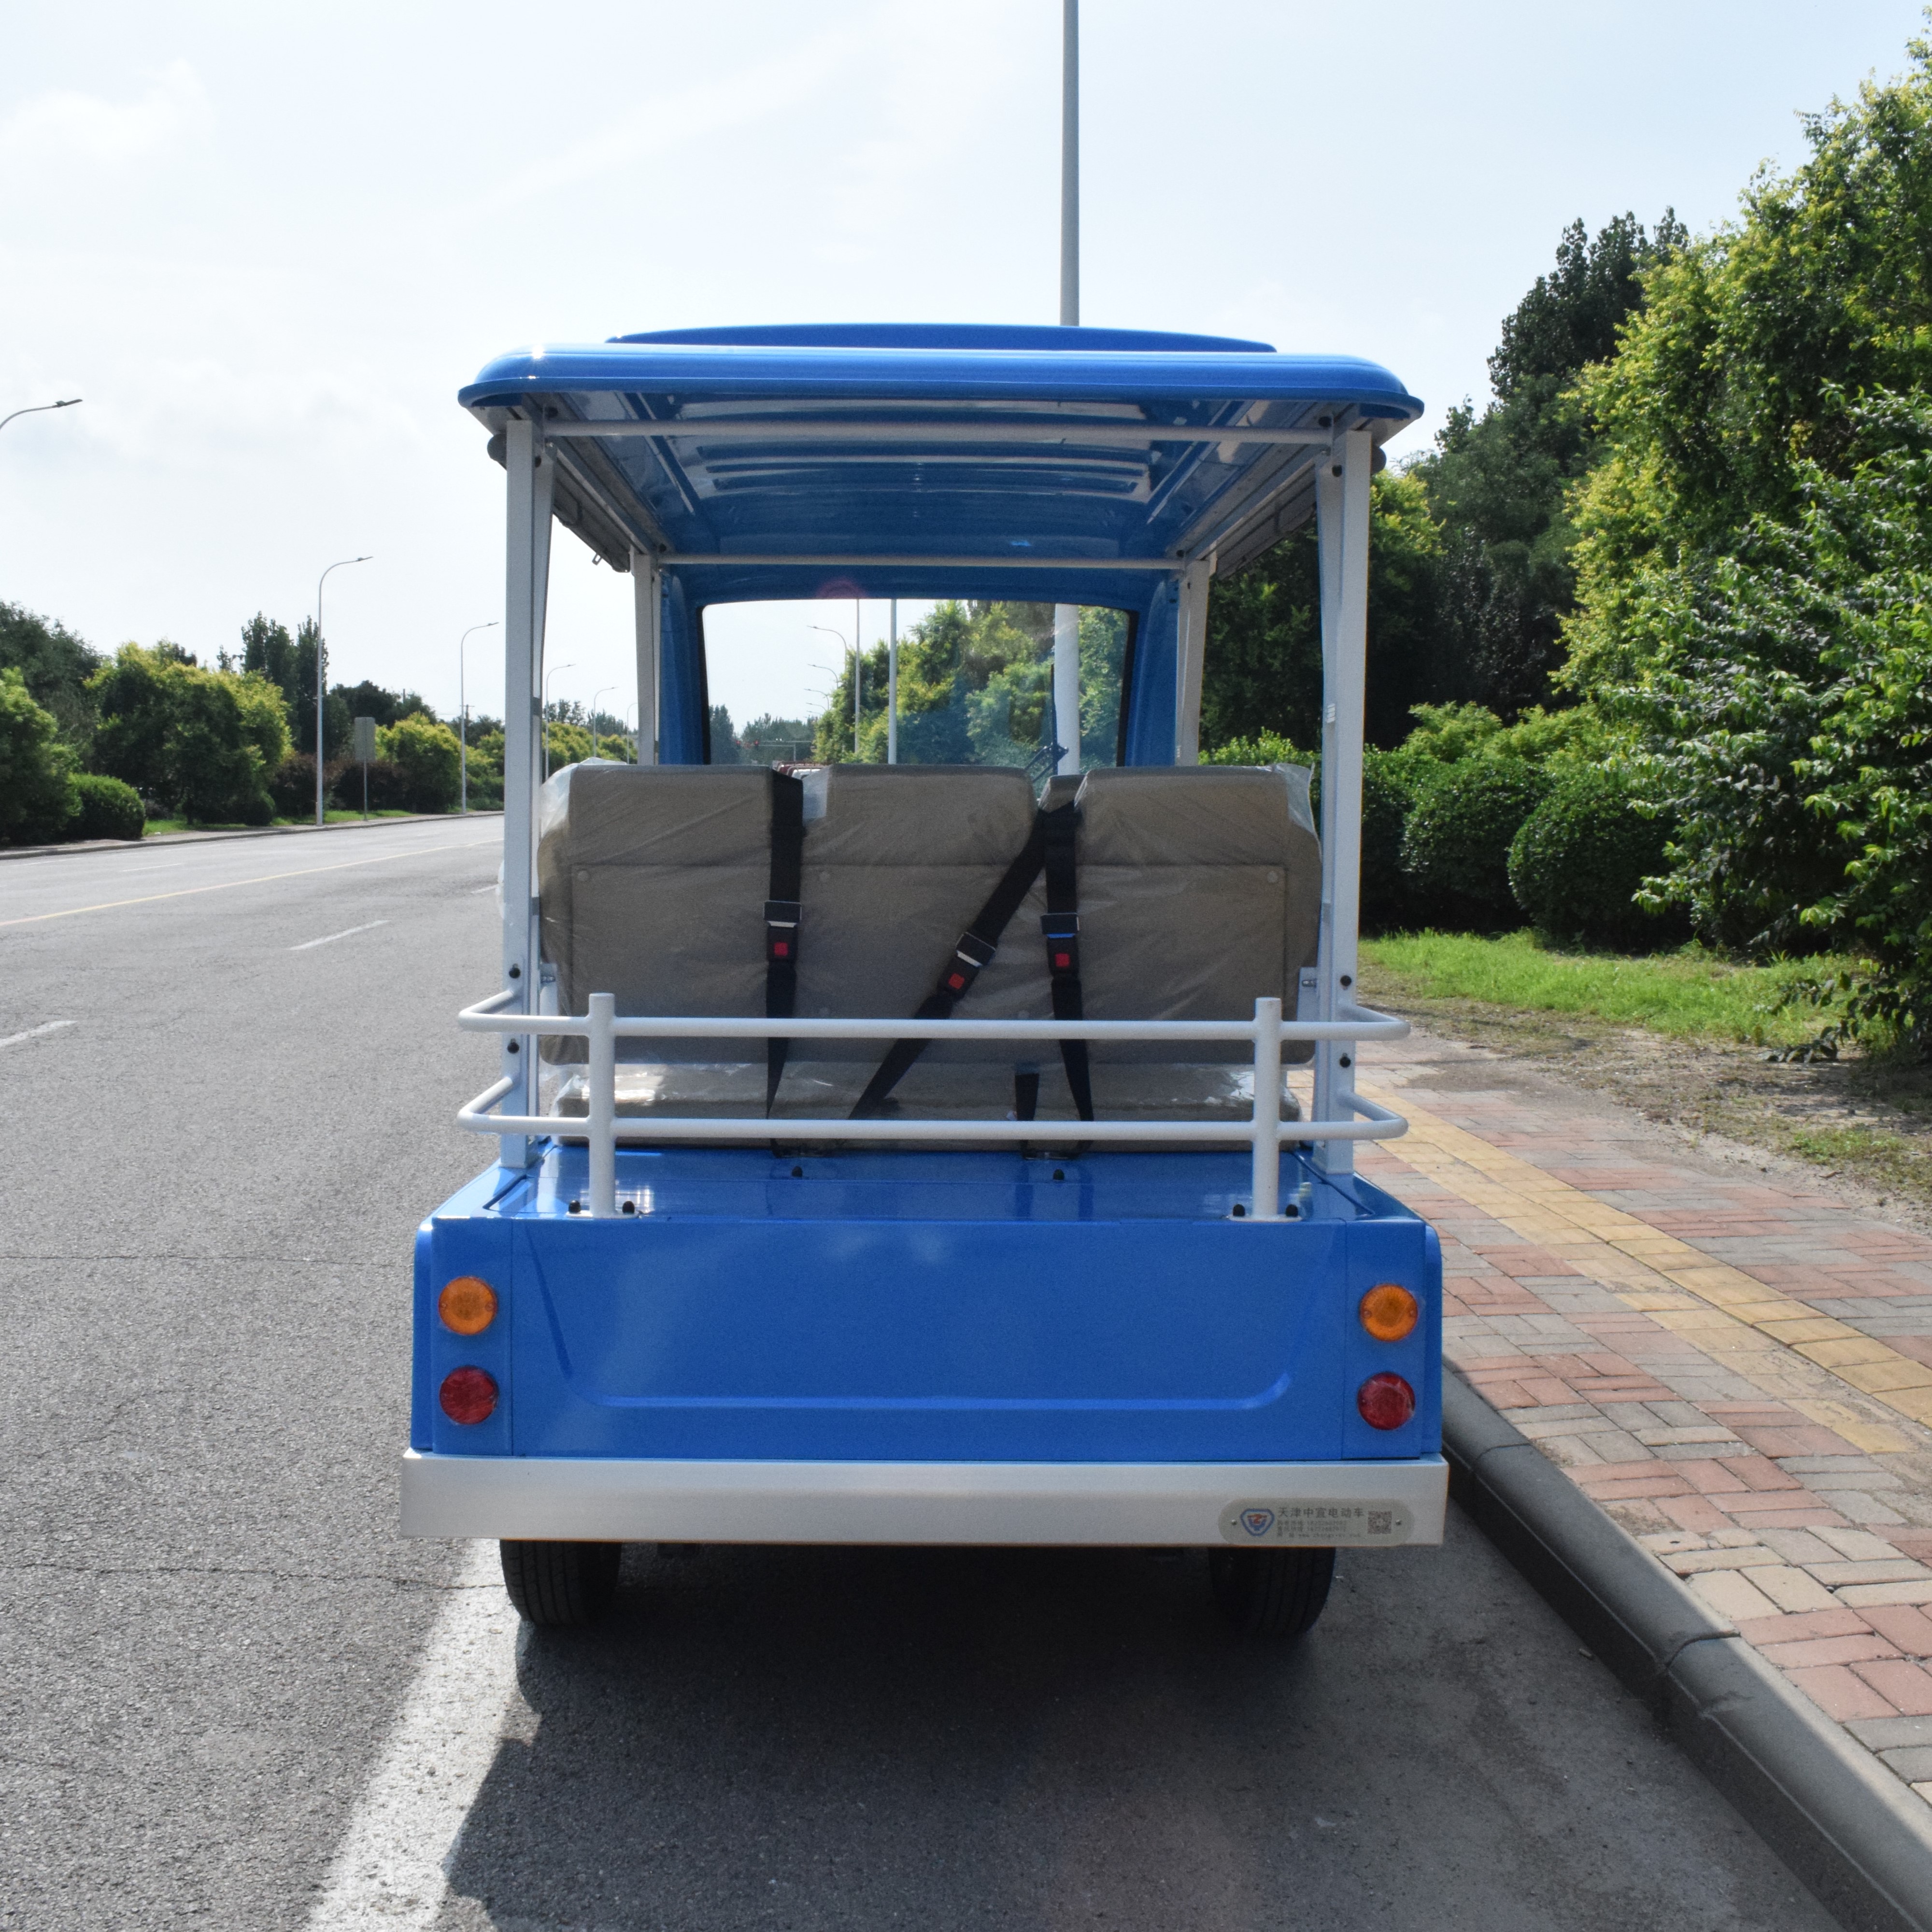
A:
x: 1652, y: 1271
x: 260, y: 879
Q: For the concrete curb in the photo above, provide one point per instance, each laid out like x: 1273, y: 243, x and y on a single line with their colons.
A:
x: 1858, y: 1837
x: 160, y: 839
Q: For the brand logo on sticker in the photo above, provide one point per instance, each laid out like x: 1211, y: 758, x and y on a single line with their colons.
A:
x: 1258, y: 1522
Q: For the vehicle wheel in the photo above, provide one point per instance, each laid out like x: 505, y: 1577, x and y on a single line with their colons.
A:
x: 1271, y: 1593
x: 559, y: 1586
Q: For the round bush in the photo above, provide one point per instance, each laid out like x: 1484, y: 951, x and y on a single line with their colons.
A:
x: 107, y: 809
x: 1391, y: 783
x: 1580, y: 857
x: 388, y: 787
x: 426, y: 755
x: 1455, y: 847
x: 292, y: 786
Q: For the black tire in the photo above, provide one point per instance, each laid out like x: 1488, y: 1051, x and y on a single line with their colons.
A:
x: 1276, y: 1593
x: 561, y: 1585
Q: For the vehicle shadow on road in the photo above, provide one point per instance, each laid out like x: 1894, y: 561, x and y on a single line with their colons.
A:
x: 851, y: 1737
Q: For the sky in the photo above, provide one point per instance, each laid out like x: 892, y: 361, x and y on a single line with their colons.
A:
x: 267, y: 243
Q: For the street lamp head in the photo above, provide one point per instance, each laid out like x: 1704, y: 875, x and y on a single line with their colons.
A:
x: 68, y: 404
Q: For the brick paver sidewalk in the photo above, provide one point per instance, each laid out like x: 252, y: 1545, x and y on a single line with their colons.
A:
x: 1736, y: 1365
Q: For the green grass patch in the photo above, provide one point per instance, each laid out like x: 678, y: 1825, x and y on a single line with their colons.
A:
x: 1871, y: 1153
x: 1691, y: 994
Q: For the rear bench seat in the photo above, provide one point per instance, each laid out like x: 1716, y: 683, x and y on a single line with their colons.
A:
x: 1198, y: 891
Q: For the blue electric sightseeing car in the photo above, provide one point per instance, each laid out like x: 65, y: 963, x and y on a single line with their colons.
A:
x: 953, y: 1144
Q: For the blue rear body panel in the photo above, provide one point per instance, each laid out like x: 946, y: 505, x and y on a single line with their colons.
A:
x: 927, y: 1306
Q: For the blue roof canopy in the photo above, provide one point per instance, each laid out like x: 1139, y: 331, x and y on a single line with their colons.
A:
x: 984, y: 446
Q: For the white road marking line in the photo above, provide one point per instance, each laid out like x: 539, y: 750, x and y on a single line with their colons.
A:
x: 260, y: 879
x: 348, y: 932
x: 389, y: 1869
x: 34, y: 1032
x: 490, y: 887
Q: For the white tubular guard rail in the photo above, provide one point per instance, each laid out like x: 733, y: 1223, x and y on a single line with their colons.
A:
x: 1265, y: 1130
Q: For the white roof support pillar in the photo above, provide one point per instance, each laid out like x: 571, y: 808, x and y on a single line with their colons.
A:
x: 1190, y: 652
x: 1341, y: 513
x: 1066, y: 685
x: 530, y: 485
x: 647, y: 595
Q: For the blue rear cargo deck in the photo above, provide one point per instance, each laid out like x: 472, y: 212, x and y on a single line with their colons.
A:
x: 913, y: 1305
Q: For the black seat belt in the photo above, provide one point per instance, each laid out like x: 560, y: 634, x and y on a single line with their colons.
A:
x: 1053, y: 833
x: 1060, y: 923
x: 781, y: 921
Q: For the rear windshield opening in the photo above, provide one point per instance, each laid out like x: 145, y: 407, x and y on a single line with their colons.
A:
x: 974, y: 684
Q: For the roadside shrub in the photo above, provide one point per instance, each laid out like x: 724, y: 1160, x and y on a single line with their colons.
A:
x: 1577, y: 861
x: 292, y: 786
x: 428, y: 756
x: 1455, y: 847
x: 37, y: 797
x: 1392, y: 784
x: 389, y: 787
x: 105, y: 808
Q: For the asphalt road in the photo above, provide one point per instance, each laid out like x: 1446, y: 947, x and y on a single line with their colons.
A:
x: 212, y: 1176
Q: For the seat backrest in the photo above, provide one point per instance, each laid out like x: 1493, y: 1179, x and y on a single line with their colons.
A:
x: 1200, y: 893
x: 901, y: 860
x: 652, y: 880
x: 1198, y: 888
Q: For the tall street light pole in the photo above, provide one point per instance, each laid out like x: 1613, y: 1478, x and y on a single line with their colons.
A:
x: 38, y: 408
x: 463, y: 707
x: 1070, y: 164
x: 841, y: 636
x: 548, y: 676
x: 322, y: 677
x: 1067, y: 617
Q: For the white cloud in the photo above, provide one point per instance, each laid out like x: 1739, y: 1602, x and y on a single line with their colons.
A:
x: 64, y: 126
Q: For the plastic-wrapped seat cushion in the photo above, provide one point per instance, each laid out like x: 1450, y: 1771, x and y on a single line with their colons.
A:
x: 1200, y: 893
x: 652, y: 881
x: 899, y: 858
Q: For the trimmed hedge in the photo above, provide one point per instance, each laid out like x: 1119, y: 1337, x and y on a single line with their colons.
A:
x: 1391, y: 782
x: 105, y: 808
x: 389, y: 787
x: 1579, y: 858
x: 1455, y: 847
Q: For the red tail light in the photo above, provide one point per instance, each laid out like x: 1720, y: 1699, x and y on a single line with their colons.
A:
x: 469, y: 1395
x: 1386, y: 1401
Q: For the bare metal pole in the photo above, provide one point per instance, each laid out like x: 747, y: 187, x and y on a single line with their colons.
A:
x: 1070, y: 165
x: 322, y: 678
x: 1067, y: 617
x: 463, y: 707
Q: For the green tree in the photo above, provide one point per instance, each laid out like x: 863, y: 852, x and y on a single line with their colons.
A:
x: 1499, y: 483
x: 54, y: 665
x: 200, y: 742
x: 975, y: 687
x: 370, y: 700
x: 1756, y: 429
x: 265, y: 649
x: 725, y: 747
x: 37, y: 789
x: 427, y: 756
x: 768, y: 740
x: 1262, y: 671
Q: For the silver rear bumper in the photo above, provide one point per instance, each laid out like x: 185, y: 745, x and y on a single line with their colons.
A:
x: 1362, y: 1505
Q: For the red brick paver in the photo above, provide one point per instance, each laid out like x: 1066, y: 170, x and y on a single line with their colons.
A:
x: 1732, y: 1364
